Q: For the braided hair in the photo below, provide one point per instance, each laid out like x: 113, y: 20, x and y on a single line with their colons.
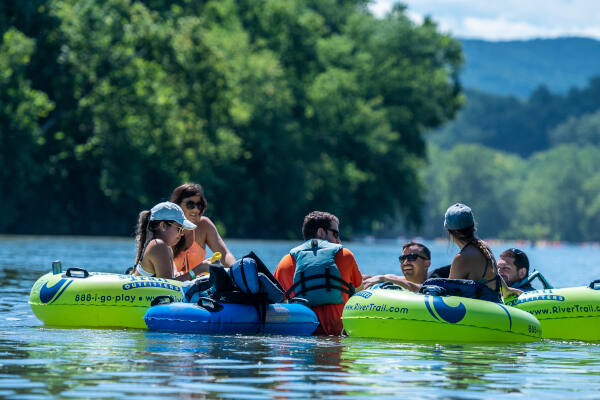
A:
x: 144, y: 225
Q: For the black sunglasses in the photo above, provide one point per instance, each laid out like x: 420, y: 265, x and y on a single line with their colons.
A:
x: 336, y: 233
x: 411, y: 257
x: 191, y: 204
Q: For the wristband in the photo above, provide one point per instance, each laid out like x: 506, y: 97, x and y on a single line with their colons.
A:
x: 192, y: 274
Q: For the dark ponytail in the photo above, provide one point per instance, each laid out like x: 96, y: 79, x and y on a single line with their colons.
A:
x: 140, y: 235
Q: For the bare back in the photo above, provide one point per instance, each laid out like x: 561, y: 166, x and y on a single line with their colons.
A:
x: 470, y: 263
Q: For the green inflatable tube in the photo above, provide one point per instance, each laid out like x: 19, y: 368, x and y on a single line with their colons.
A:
x: 565, y: 314
x: 79, y: 298
x: 407, y: 316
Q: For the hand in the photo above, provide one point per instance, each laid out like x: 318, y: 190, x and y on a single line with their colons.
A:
x: 202, y: 268
x: 371, y: 280
x: 512, y: 291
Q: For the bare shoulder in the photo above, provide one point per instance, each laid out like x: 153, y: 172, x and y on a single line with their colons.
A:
x: 466, y: 263
x: 461, y: 265
x: 206, y: 225
x: 157, y: 246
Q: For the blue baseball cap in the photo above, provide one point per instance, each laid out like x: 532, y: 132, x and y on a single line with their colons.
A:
x: 458, y: 216
x: 167, y: 211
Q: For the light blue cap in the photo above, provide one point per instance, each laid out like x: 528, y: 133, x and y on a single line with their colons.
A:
x: 167, y: 211
x: 458, y: 216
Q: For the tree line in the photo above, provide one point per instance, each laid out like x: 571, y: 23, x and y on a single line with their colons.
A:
x: 523, y: 127
x: 553, y: 195
x: 530, y: 169
x: 277, y: 107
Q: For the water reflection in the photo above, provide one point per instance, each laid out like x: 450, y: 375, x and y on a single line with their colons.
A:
x: 134, y: 363
x: 434, y: 368
x: 41, y: 362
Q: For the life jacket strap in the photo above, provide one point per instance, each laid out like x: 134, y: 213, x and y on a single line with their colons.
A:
x: 343, y: 286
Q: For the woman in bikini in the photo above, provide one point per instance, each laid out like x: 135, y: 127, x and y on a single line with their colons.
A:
x: 157, y: 230
x: 190, y: 250
x: 475, y: 260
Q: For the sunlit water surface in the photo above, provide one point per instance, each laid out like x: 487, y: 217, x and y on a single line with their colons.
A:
x: 38, y: 362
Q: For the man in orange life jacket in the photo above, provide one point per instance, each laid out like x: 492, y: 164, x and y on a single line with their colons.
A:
x: 321, y: 271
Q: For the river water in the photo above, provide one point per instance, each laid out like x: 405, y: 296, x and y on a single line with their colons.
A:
x: 38, y: 362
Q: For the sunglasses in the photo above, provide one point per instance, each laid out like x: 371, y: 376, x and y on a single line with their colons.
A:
x: 336, y: 233
x: 180, y: 228
x: 411, y: 257
x: 516, y: 251
x: 191, y: 204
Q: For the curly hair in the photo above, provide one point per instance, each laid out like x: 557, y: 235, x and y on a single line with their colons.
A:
x: 314, y: 221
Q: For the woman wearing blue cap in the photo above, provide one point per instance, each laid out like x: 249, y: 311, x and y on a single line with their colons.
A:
x: 158, y: 230
x: 475, y: 260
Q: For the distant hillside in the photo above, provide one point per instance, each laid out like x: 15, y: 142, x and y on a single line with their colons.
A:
x: 518, y: 67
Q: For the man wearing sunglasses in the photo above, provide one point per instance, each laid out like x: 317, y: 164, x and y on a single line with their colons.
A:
x: 513, y: 267
x: 321, y: 271
x: 414, y: 263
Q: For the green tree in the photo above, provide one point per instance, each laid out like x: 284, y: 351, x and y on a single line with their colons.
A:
x: 21, y: 108
x: 583, y: 130
x: 555, y: 199
x: 519, y: 126
x: 487, y: 180
x: 277, y: 107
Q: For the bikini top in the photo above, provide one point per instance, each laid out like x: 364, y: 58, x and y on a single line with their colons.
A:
x: 140, y: 270
x: 190, y: 257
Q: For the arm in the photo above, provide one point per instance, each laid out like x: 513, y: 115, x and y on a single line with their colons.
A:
x: 284, y: 273
x: 161, y: 257
x: 357, y: 279
x: 508, y: 291
x: 215, y: 242
x: 398, y: 280
x: 369, y: 280
x: 197, y: 270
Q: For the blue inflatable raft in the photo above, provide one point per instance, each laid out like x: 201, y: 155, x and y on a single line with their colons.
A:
x: 280, y: 319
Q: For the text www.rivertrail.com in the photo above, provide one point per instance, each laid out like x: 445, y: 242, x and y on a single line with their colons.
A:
x: 576, y: 308
x: 377, y: 307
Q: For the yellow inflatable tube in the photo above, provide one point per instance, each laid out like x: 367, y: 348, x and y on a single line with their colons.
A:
x: 403, y: 315
x: 565, y: 314
x: 78, y: 298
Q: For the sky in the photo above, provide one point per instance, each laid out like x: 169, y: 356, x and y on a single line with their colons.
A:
x: 505, y: 19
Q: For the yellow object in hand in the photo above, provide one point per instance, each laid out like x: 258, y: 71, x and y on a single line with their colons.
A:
x: 215, y: 257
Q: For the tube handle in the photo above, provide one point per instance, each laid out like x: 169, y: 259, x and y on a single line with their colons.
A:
x: 77, y: 271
